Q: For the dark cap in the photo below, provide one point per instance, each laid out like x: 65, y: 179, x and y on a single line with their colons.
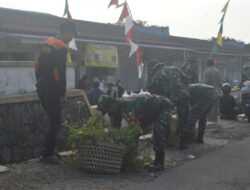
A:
x: 210, y: 62
x: 68, y: 26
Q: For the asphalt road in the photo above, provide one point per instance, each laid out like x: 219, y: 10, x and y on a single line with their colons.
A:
x: 227, y: 168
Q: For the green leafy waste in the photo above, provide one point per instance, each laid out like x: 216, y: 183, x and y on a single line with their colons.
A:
x: 96, y: 129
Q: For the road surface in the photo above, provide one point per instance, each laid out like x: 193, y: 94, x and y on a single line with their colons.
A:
x: 227, y: 168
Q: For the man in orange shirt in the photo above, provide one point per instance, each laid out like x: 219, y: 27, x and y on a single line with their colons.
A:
x: 50, y: 72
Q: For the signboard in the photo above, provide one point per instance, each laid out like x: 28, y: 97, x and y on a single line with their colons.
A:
x: 99, y: 55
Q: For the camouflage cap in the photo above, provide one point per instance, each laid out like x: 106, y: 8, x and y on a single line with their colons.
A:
x: 103, y: 102
x: 154, y: 61
x: 158, y: 66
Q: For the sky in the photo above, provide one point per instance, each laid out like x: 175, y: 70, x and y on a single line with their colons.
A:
x: 187, y: 18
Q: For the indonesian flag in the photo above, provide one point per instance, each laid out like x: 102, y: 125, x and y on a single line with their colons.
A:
x: 139, y: 63
x: 113, y: 2
x: 72, y: 43
x: 129, y: 28
x: 133, y: 48
x: 125, y: 12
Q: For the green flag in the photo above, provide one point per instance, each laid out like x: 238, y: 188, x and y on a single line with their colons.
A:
x: 66, y: 9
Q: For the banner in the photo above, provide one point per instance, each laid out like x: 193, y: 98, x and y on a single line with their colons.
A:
x: 99, y: 55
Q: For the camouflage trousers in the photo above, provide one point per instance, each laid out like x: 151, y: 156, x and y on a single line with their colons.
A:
x: 160, y: 128
x: 200, y: 110
x: 183, y: 117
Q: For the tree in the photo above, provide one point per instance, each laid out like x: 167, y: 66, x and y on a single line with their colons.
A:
x: 120, y: 23
x: 141, y: 23
x: 247, y: 47
x: 226, y: 39
x: 137, y: 23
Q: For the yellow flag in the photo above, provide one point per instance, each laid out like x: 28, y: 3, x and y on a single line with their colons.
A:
x: 225, y: 7
x: 69, y: 57
x: 219, y: 39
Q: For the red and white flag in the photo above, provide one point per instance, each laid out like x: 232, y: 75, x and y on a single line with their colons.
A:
x: 125, y: 12
x: 129, y: 28
x: 133, y: 48
x: 139, y: 63
x: 113, y: 2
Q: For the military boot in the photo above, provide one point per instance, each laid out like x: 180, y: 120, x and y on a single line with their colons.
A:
x: 159, y: 162
x: 200, y: 138
x: 183, y: 144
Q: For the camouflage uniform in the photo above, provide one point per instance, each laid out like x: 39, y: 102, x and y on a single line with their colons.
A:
x: 192, y: 73
x: 190, y: 70
x: 202, y: 98
x: 171, y: 82
x: 146, y: 109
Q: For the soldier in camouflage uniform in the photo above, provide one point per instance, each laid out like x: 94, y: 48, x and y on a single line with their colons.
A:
x: 190, y: 68
x: 143, y: 109
x: 171, y: 82
x: 202, y: 98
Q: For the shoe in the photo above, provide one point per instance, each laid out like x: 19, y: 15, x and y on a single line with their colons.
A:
x: 183, y: 146
x: 183, y: 143
x: 159, y: 162
x: 156, y: 168
x: 51, y: 160
x: 200, y: 140
x: 56, y: 154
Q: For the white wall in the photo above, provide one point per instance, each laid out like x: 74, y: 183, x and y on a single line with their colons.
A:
x: 21, y: 80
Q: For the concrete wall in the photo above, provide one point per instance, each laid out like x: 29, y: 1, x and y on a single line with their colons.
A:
x: 24, y: 125
x: 19, y: 78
